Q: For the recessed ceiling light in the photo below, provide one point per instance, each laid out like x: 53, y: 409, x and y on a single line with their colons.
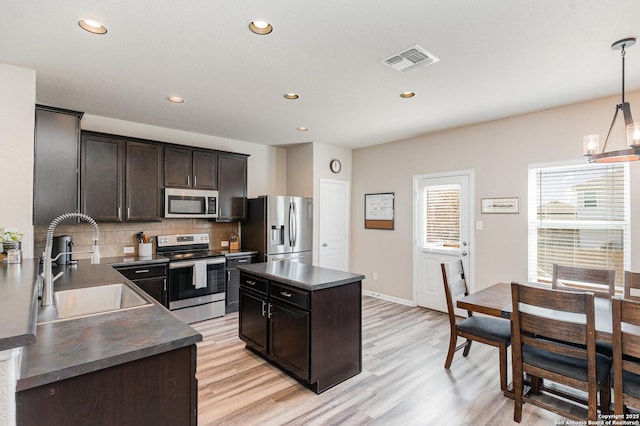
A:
x: 302, y: 129
x: 407, y: 95
x: 260, y: 27
x: 291, y: 95
x: 92, y: 26
x: 175, y: 99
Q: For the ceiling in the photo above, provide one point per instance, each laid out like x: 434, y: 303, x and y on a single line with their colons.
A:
x: 498, y: 58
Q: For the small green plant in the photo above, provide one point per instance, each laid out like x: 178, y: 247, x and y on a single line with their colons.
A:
x: 11, y: 234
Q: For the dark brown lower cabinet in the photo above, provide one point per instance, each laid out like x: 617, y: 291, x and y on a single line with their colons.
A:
x: 315, y: 336
x: 151, y: 278
x: 289, y: 339
x: 232, y: 296
x: 252, y: 318
x: 157, y: 390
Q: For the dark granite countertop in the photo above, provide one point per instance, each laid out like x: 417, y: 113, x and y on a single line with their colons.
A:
x: 118, y: 262
x: 72, y: 347
x: 18, y: 299
x: 301, y: 275
x: 237, y: 253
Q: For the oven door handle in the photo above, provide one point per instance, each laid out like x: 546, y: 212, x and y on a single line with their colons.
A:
x: 216, y: 261
x: 180, y: 265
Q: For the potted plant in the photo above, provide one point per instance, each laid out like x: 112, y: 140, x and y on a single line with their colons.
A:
x: 11, y: 239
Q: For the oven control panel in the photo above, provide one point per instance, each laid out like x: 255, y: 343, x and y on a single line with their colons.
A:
x: 182, y: 239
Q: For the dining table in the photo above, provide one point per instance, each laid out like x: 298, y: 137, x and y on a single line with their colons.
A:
x: 495, y: 301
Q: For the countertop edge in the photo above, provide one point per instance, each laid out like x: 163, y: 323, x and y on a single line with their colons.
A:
x: 101, y: 364
x: 328, y: 277
x: 26, y: 333
x: 121, y: 262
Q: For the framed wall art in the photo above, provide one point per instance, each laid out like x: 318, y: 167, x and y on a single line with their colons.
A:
x: 379, y: 211
x: 500, y: 205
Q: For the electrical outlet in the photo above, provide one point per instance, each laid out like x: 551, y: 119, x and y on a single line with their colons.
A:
x: 224, y: 243
x: 375, y: 275
x: 129, y: 250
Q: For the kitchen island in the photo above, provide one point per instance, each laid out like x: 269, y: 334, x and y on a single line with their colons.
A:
x: 133, y: 366
x: 304, y: 319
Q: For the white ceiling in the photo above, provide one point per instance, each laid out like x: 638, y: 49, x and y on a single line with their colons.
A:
x: 497, y: 58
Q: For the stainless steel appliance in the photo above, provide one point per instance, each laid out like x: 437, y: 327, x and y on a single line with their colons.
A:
x: 196, y: 276
x: 189, y: 203
x: 62, y: 244
x: 279, y: 228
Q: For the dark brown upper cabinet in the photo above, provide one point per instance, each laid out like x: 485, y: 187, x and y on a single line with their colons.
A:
x: 56, y: 177
x: 143, y: 182
x: 232, y: 187
x: 190, y: 168
x: 120, y: 179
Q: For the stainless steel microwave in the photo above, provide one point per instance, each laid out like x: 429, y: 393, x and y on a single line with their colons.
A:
x: 190, y: 203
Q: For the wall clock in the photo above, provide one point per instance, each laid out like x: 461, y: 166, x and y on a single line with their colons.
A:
x: 335, y: 166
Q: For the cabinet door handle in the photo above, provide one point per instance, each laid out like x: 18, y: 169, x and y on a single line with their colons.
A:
x: 269, y: 314
x: 286, y: 294
x: 228, y: 275
x: 128, y: 212
x: 264, y: 304
x: 242, y: 260
x: 164, y: 292
x: 250, y: 282
x: 195, y: 181
x: 142, y: 271
x: 188, y: 180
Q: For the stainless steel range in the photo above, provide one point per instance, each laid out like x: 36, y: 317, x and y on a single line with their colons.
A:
x: 196, y: 276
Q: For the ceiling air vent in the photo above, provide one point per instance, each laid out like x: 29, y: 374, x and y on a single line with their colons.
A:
x: 410, y: 58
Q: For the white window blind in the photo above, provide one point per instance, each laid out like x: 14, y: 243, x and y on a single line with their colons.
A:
x: 579, y: 216
x: 442, y: 216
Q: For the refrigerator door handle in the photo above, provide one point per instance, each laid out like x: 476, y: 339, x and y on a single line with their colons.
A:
x: 290, y: 224
x: 295, y: 225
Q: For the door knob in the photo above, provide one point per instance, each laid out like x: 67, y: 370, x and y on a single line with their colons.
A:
x: 464, y: 253
x: 324, y: 244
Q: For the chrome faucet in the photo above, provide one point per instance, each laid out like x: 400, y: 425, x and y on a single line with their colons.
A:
x: 48, y: 278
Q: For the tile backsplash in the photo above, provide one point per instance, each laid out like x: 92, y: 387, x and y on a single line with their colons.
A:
x: 114, y: 237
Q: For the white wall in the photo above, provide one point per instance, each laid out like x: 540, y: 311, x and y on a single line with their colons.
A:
x: 17, y: 116
x: 267, y: 165
x: 500, y: 153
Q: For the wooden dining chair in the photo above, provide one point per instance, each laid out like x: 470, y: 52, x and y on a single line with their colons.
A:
x: 631, y: 282
x: 491, y: 331
x: 602, y: 282
x: 626, y: 354
x: 555, y: 344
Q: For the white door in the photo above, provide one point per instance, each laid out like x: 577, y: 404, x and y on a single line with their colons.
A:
x: 443, y: 214
x: 334, y: 224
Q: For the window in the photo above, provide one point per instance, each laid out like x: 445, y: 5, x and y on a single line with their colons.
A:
x: 441, y: 207
x: 579, y: 216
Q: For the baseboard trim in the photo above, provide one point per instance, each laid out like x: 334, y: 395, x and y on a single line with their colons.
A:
x: 389, y: 298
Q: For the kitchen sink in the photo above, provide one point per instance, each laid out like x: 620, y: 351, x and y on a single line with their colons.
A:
x: 87, y: 301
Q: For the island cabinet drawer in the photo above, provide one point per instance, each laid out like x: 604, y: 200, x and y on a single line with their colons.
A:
x: 254, y: 283
x: 292, y: 295
x: 143, y: 271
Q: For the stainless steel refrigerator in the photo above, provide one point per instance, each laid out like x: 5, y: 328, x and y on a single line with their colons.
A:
x: 280, y: 228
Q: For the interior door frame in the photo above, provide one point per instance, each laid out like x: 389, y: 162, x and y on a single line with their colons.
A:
x: 470, y: 274
x: 347, y: 212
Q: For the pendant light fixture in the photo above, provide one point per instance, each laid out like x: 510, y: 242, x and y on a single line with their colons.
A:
x: 591, y: 142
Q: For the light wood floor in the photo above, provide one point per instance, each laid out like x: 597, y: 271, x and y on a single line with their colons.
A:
x: 403, y: 381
